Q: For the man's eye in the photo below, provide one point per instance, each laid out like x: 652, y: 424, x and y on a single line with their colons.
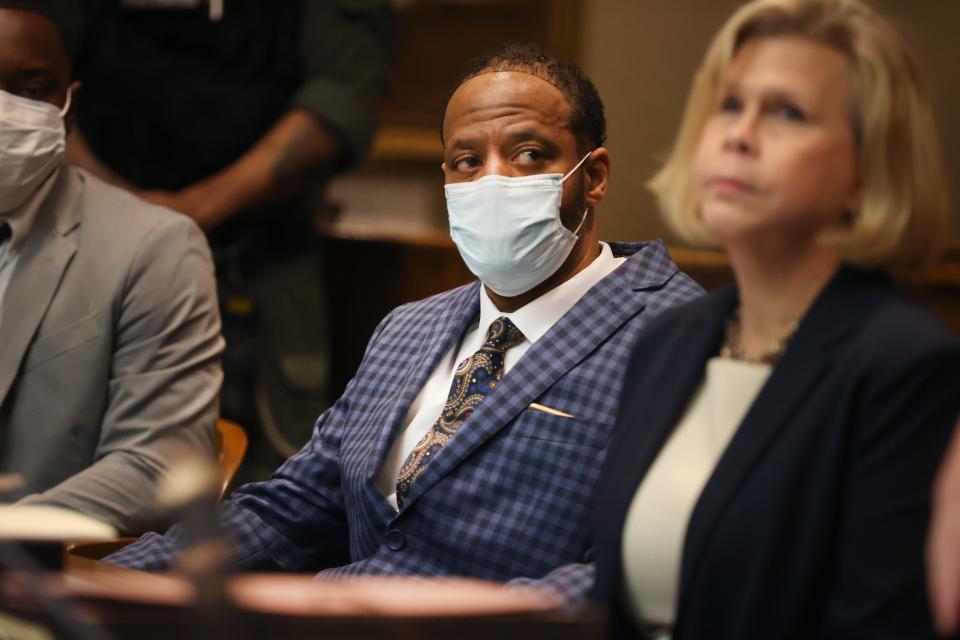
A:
x: 33, y: 92
x: 529, y: 156
x: 466, y: 164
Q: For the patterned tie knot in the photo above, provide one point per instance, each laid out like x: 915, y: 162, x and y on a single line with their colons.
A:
x: 502, y: 334
x: 473, y: 380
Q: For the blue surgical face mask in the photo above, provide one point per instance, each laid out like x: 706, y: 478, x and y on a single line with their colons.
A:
x: 508, y: 230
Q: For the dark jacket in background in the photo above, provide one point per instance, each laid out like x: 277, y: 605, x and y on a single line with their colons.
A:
x: 171, y: 96
x: 813, y: 523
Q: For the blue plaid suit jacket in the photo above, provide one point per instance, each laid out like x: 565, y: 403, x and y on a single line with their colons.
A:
x: 506, y: 499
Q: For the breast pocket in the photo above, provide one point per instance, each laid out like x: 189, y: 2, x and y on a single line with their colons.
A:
x: 51, y: 345
x: 537, y: 424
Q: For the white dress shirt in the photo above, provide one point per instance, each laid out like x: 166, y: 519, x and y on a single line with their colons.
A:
x: 20, y: 221
x: 656, y: 524
x: 533, y: 319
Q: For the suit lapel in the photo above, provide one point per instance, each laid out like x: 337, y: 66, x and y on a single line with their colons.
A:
x: 452, y: 320
x: 652, y: 403
x: 834, y: 314
x: 599, y: 314
x: 671, y: 391
x: 47, y: 251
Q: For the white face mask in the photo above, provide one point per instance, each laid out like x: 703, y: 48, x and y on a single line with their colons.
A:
x: 508, y: 230
x: 32, y: 142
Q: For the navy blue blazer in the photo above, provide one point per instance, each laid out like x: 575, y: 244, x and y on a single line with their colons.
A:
x: 813, y: 523
x: 507, y: 498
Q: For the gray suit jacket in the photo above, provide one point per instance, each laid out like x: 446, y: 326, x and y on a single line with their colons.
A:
x: 109, y: 352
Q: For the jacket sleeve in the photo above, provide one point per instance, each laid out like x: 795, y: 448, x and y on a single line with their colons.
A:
x: 904, y: 417
x: 571, y: 583
x: 164, y: 384
x: 294, y: 521
x: 345, y: 47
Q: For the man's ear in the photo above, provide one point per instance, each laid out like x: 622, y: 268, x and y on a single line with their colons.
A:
x: 596, y: 171
x: 70, y: 117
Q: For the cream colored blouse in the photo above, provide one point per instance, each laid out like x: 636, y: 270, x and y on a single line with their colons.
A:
x: 656, y: 523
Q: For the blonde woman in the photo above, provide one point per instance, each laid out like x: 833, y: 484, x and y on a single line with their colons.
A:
x: 779, y: 486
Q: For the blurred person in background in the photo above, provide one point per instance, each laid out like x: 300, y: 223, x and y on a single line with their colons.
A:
x: 772, y: 460
x: 237, y: 113
x: 109, y: 356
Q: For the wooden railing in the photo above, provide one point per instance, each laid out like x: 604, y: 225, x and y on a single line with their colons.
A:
x: 369, y: 271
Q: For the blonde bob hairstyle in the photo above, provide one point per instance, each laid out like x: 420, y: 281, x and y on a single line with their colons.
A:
x: 902, y: 221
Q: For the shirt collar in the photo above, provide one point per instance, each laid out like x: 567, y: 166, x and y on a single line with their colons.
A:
x: 22, y: 218
x: 536, y: 317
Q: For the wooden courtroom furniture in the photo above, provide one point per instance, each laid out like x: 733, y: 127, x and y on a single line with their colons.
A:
x: 388, y: 269
x: 232, y: 446
x: 132, y: 604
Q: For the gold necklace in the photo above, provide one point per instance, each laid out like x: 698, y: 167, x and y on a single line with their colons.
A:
x: 733, y: 349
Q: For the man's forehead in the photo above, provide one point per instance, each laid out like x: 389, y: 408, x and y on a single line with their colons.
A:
x: 513, y: 75
x: 30, y: 38
x: 505, y: 96
x: 489, y: 86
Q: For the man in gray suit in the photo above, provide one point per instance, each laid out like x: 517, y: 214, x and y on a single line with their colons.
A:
x: 109, y: 329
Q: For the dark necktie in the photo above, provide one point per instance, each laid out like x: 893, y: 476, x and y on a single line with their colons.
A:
x: 474, y: 378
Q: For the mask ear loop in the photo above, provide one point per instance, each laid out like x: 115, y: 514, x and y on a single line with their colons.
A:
x: 582, y: 160
x: 66, y: 105
x: 576, y: 231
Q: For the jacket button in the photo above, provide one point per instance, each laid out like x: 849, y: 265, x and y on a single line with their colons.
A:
x: 396, y: 540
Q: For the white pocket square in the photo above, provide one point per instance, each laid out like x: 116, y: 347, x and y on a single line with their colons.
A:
x: 536, y: 406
